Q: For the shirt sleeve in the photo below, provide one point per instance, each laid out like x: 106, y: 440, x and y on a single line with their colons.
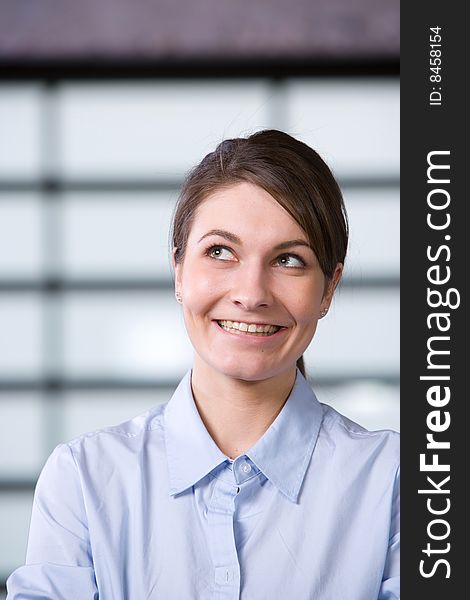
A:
x: 59, y: 564
x: 390, y: 588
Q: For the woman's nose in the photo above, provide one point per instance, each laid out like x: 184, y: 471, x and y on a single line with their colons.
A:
x: 251, y: 288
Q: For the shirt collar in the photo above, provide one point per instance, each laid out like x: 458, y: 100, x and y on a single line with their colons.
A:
x: 282, y: 453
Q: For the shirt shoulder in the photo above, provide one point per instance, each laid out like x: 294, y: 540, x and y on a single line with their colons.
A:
x: 349, y: 436
x: 117, y: 454
x: 137, y: 430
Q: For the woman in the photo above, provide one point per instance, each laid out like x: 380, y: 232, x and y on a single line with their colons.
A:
x: 243, y: 485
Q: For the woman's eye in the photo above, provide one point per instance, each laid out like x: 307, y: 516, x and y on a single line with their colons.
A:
x: 291, y: 260
x: 219, y: 252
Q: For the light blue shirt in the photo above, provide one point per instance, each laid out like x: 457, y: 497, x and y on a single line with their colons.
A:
x: 152, y: 509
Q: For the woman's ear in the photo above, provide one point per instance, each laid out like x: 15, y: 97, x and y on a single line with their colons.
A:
x: 331, y: 286
x: 177, y: 268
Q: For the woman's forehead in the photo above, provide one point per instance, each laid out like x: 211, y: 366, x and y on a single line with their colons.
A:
x: 247, y: 209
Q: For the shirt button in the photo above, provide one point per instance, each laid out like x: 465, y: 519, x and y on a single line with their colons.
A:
x: 245, y: 467
x: 224, y: 575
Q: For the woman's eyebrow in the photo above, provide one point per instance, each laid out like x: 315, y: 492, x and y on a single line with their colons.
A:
x: 231, y: 237
x: 290, y: 243
x: 225, y: 234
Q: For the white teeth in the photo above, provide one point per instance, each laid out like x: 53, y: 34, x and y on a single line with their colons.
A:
x: 237, y: 327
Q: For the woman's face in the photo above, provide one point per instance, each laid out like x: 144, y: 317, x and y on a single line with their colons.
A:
x: 247, y: 264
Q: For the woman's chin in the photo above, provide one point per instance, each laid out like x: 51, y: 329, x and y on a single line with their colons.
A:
x: 251, y: 371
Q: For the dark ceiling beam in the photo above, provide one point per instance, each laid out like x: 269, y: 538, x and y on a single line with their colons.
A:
x: 54, y: 70
x: 183, y: 38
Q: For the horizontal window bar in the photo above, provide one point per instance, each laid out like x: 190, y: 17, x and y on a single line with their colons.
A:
x: 94, y: 384
x: 16, y: 485
x: 55, y: 285
x: 52, y: 285
x: 53, y: 185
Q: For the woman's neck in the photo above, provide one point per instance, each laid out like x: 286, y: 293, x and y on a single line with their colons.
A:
x: 236, y: 413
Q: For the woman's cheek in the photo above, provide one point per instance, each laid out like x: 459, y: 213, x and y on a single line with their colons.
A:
x: 308, y: 299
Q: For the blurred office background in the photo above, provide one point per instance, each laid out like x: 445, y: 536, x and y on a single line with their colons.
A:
x: 103, y: 108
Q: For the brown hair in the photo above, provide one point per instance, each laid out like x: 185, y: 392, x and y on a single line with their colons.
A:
x: 291, y: 172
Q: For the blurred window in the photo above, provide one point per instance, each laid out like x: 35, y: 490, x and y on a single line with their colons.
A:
x: 90, y: 333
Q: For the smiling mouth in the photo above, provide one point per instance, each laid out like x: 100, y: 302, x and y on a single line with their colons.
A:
x: 249, y: 328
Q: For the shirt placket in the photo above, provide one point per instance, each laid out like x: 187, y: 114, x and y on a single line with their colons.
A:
x: 222, y: 541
